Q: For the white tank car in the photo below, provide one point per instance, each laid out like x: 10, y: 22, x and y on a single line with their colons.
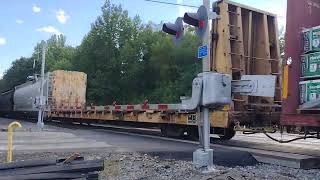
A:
x: 27, y: 95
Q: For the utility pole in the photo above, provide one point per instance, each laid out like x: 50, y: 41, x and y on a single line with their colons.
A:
x: 40, y: 123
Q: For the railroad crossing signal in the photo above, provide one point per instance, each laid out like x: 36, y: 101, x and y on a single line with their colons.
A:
x: 176, y: 29
x: 202, y: 157
x: 198, y: 20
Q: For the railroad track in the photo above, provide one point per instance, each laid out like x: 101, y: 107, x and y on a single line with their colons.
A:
x: 280, y: 154
x: 236, y: 142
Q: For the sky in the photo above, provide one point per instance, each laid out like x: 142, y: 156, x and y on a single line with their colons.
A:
x: 24, y: 23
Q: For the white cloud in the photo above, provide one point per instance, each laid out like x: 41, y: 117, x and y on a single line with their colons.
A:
x: 36, y: 8
x: 49, y: 29
x: 2, y: 41
x: 19, y: 21
x: 62, y: 16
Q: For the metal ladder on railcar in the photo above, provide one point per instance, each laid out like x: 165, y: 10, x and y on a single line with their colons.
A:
x: 243, y: 55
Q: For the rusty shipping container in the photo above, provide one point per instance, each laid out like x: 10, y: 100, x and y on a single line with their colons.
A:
x: 301, y: 14
x: 245, y: 42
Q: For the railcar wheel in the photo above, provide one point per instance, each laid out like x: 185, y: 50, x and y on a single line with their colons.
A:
x: 289, y: 129
x: 193, y: 133
x: 229, y: 133
x: 163, y: 131
x: 172, y: 131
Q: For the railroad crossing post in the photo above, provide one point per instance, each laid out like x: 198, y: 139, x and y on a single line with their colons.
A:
x: 40, y: 123
x: 202, y: 157
x: 206, y: 61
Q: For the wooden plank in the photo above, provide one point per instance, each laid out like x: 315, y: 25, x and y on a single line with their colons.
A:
x: 222, y: 60
x: 71, y: 158
x: 261, y: 49
x: 261, y: 45
x: 247, y: 39
x: 84, y: 166
x: 215, y: 37
x: 33, y: 163
x: 68, y: 88
x: 27, y: 163
x: 236, y: 46
x: 237, y: 52
x: 240, y: 105
x: 46, y: 176
x: 240, y: 38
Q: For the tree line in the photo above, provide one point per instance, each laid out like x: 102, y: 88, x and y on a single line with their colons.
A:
x: 126, y: 61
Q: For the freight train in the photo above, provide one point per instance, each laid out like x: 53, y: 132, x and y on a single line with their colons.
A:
x: 60, y: 87
x: 65, y: 94
x: 22, y: 100
x: 245, y: 42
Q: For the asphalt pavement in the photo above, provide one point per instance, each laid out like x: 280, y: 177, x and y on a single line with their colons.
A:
x: 58, y: 139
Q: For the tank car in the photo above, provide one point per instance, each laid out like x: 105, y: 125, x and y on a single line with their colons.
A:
x: 6, y: 102
x: 26, y: 97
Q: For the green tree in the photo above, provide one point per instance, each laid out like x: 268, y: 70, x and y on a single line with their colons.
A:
x: 58, y: 54
x: 126, y: 61
x: 282, y: 46
x: 176, y: 67
x: 100, y: 54
x: 17, y: 74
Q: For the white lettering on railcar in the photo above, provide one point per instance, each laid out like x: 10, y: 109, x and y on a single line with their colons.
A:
x: 192, y: 119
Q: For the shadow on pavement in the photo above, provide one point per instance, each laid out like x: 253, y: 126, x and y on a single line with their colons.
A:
x: 221, y: 157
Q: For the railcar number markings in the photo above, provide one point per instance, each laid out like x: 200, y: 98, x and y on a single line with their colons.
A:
x: 192, y: 119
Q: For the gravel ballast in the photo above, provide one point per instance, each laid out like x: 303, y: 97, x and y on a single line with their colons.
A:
x: 142, y: 166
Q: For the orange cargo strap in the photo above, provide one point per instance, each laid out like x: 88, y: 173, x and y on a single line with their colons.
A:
x: 285, y: 82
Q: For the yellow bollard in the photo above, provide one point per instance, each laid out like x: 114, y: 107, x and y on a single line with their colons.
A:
x: 11, y: 127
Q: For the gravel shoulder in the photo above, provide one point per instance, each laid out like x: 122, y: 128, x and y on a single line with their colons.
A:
x: 140, y: 166
x: 127, y: 166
